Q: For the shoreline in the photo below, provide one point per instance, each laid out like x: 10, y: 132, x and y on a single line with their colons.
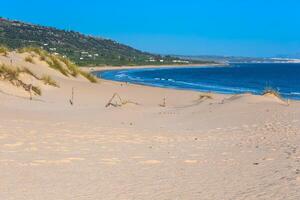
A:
x: 112, y: 68
x: 105, y: 68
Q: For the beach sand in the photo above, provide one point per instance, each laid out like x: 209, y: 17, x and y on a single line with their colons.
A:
x: 190, y: 146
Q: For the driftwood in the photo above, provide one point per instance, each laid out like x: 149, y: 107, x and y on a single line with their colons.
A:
x: 29, y: 89
x: 164, y: 104
x: 16, y: 82
x: 203, y: 97
x: 72, y: 97
x: 119, y: 102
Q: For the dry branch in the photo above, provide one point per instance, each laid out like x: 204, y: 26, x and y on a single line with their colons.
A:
x: 119, y: 102
x: 164, y: 104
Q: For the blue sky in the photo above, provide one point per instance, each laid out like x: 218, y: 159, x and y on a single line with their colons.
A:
x: 190, y: 27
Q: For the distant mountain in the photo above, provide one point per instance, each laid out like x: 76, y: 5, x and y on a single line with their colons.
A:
x: 238, y: 59
x: 291, y: 56
x: 82, y: 49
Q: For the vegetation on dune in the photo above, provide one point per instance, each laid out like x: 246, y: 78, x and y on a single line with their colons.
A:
x: 29, y: 59
x: 70, y: 67
x: 31, y: 49
x: 29, y: 72
x: 12, y: 75
x: 53, y: 61
x: 56, y: 64
x: 42, y: 58
x: 271, y: 91
x: 8, y: 73
x: 3, y: 50
x: 74, y: 70
x: 49, y: 81
x: 36, y: 90
x: 88, y: 76
x: 59, y: 63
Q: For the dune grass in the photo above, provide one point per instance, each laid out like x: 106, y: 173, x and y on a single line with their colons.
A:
x: 29, y: 59
x: 88, y: 76
x: 56, y: 64
x: 59, y: 63
x: 29, y: 72
x: 9, y: 73
x: 53, y: 61
x: 3, y: 50
x: 36, y: 90
x: 271, y: 91
x: 73, y: 69
x: 12, y: 75
x: 30, y: 49
x: 48, y: 80
x: 43, y: 58
x: 37, y: 51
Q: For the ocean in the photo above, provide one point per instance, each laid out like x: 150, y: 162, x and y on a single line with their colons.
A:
x: 232, y: 79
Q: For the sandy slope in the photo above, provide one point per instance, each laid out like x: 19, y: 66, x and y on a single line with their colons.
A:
x: 240, y: 147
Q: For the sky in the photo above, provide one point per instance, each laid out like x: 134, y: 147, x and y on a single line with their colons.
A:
x: 260, y: 28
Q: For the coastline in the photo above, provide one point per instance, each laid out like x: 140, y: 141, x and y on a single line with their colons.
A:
x: 104, y: 68
x: 112, y: 68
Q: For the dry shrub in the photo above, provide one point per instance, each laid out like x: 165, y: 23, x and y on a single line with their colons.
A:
x: 29, y: 59
x: 49, y: 81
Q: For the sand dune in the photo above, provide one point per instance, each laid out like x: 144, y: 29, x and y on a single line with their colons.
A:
x: 223, y: 147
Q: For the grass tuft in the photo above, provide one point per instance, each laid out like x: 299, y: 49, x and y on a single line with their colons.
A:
x: 205, y: 96
x: 88, y: 76
x: 56, y: 64
x: 12, y: 75
x: 49, y: 81
x: 30, y: 49
x: 28, y: 71
x: 271, y: 91
x: 3, y: 50
x: 9, y: 73
x: 73, y: 69
x: 29, y: 59
x: 63, y: 65
x: 42, y: 58
x: 37, y: 90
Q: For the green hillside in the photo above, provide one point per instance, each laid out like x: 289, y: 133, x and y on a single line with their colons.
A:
x: 82, y: 49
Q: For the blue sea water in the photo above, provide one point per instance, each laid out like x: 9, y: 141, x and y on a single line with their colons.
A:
x: 233, y: 79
